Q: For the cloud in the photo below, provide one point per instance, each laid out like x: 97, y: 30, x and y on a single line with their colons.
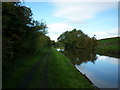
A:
x: 107, y: 34
x: 55, y: 29
x: 109, y: 59
x: 79, y: 12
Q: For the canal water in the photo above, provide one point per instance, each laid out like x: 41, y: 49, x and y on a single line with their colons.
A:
x: 102, y: 70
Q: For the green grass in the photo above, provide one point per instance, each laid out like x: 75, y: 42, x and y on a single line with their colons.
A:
x: 109, y: 46
x: 15, y: 76
x: 108, y: 40
x: 62, y: 73
x: 37, y: 78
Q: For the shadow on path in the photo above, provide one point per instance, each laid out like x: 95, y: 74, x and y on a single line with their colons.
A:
x: 28, y: 77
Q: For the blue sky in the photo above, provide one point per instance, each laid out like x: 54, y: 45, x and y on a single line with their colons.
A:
x: 100, y: 19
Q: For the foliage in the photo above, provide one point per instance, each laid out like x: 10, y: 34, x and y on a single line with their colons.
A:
x: 77, y: 39
x: 21, y: 34
x: 60, y: 45
x: 53, y: 43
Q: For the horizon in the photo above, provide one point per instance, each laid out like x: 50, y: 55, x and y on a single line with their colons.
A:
x: 93, y: 18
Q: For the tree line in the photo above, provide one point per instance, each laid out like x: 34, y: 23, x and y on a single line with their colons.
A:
x: 77, y: 39
x: 21, y: 34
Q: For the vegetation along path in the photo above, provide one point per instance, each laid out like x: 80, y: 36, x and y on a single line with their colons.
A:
x: 50, y: 69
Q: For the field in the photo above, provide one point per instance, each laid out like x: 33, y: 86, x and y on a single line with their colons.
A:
x: 109, y: 46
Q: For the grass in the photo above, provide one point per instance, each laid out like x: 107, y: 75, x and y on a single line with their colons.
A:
x: 62, y: 73
x: 108, y: 40
x: 109, y: 46
x: 18, y: 74
x: 38, y: 75
x: 14, y: 77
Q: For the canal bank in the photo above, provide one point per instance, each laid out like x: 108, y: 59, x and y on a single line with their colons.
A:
x: 62, y: 73
x: 49, y: 69
x: 82, y: 74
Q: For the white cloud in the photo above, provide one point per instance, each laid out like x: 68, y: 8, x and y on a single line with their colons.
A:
x: 79, y: 12
x: 107, y: 34
x: 55, y: 29
x: 109, y: 59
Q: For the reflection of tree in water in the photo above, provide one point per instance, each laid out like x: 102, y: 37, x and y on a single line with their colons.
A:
x: 79, y: 56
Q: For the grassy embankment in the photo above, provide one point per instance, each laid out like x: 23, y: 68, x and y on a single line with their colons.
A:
x: 109, y: 46
x: 15, y: 72
x: 60, y: 73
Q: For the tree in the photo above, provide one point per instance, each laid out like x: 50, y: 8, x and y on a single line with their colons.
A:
x: 21, y: 34
x: 53, y: 43
x: 77, y: 39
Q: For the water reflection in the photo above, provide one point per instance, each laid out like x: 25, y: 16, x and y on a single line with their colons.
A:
x: 104, y: 73
x: 59, y: 49
x: 101, y: 70
x: 81, y: 56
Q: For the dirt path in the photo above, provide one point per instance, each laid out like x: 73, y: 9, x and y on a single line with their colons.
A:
x: 44, y: 81
x: 28, y: 77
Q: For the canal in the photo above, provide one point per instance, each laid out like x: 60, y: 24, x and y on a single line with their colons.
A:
x: 101, y: 70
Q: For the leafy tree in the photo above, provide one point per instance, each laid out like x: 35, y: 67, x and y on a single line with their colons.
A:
x: 77, y: 39
x: 21, y: 34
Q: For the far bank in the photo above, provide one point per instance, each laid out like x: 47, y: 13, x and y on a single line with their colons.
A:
x: 109, y: 46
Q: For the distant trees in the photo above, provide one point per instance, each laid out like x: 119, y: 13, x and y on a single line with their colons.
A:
x: 77, y: 39
x: 21, y: 34
x: 53, y: 43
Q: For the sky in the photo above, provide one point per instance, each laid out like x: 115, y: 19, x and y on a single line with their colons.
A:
x: 93, y: 18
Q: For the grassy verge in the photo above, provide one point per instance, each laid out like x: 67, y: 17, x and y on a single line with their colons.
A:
x: 62, y: 73
x: 15, y: 76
